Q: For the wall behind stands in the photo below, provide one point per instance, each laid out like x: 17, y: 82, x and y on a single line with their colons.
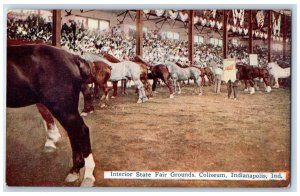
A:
x: 111, y: 16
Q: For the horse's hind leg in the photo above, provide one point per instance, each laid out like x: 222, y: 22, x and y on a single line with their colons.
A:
x: 175, y: 85
x: 115, y: 89
x: 142, y: 95
x: 78, y: 133
x: 268, y: 87
x: 155, y: 80
x: 198, y: 84
x: 124, y: 86
x: 147, y: 87
x: 276, y: 85
x: 53, y: 135
x: 252, y: 89
x: 212, y: 79
x: 105, y: 96
x: 166, y: 78
x: 246, y: 86
x: 179, y: 89
x: 96, y: 91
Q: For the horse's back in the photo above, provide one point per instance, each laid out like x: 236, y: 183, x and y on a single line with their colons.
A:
x: 36, y: 72
x: 194, y: 72
x: 278, y: 71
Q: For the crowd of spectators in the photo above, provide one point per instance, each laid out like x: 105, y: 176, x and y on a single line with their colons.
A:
x: 156, y: 46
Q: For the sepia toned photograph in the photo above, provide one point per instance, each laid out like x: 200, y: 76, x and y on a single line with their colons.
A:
x: 148, y: 97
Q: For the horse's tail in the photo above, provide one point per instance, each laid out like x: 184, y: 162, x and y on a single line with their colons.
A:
x: 140, y: 59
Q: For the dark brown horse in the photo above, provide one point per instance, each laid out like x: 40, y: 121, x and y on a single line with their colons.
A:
x: 101, y: 73
x: 53, y: 135
x: 41, y: 74
x: 248, y: 73
x: 206, y: 71
x: 159, y: 71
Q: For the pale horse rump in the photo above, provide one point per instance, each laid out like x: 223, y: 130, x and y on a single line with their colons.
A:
x: 123, y: 70
x: 278, y: 72
x: 183, y: 74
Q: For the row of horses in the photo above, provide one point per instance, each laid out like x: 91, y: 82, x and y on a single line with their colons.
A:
x: 53, y: 78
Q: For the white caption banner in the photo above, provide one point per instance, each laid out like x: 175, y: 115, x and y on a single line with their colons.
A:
x: 144, y: 175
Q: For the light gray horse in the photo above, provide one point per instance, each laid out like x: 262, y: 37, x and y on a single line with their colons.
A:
x: 122, y: 70
x: 183, y: 74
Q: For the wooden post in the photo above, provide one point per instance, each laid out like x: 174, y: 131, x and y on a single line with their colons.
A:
x: 269, y: 34
x: 139, y: 33
x: 191, y: 37
x: 225, y: 34
x: 250, y: 33
x: 56, y: 29
x: 284, y: 32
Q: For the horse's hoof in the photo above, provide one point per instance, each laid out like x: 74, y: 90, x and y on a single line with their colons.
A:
x: 113, y: 97
x: 200, y: 94
x: 72, y: 177
x: 171, y: 96
x: 103, y: 106
x: 234, y: 99
x: 139, y: 101
x: 145, y: 99
x: 179, y: 92
x: 246, y: 90
x: 252, y: 90
x: 84, y: 114
x: 268, y: 89
x: 87, y: 182
x: 49, y: 149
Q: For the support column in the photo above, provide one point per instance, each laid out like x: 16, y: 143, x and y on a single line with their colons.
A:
x: 269, y: 34
x: 139, y: 33
x: 250, y: 33
x: 56, y: 29
x: 191, y: 37
x: 284, y: 32
x: 225, y: 33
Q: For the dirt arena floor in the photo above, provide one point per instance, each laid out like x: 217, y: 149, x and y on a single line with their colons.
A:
x: 187, y: 133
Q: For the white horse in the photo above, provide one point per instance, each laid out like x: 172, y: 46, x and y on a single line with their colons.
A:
x: 122, y: 70
x: 182, y: 74
x: 277, y: 72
